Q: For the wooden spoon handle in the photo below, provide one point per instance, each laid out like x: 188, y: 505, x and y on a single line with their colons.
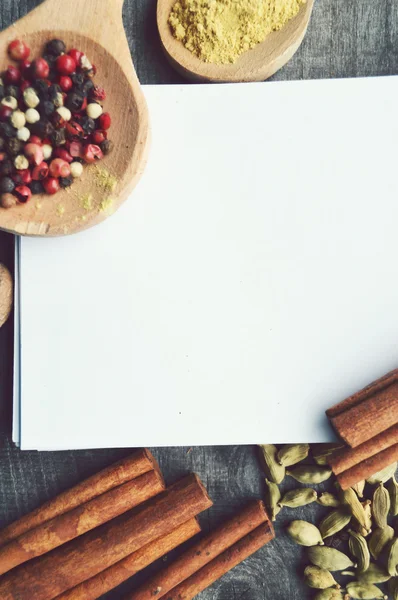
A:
x: 98, y: 19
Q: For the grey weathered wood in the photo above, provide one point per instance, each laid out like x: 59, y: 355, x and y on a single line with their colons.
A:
x: 345, y: 39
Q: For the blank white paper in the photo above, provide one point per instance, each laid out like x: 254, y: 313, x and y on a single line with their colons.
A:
x: 249, y: 283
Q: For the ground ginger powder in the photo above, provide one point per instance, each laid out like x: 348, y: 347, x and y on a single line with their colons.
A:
x: 219, y: 31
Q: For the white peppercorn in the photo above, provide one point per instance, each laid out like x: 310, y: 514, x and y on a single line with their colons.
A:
x: 10, y: 101
x: 47, y: 151
x: 76, y: 169
x: 94, y: 110
x: 65, y: 113
x: 21, y: 162
x: 23, y: 134
x: 32, y: 115
x: 30, y: 97
x: 58, y: 99
x: 18, y: 119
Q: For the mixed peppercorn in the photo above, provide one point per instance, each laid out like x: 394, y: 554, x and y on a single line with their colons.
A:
x: 51, y: 121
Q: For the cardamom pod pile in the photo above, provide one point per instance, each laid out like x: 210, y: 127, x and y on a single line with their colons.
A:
x: 352, y: 551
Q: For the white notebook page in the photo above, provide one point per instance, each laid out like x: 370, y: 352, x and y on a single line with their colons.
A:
x: 249, y: 283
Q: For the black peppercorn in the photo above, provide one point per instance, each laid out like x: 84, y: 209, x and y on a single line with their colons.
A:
x: 88, y: 125
x: 36, y: 187
x: 7, y: 130
x: 50, y: 59
x: 2, y: 143
x: 14, y: 146
x: 6, y: 185
x: 55, y: 47
x: 12, y: 90
x: 43, y: 128
x: 41, y: 88
x: 65, y: 181
x: 2, y: 91
x: 6, y: 167
x: 87, y: 87
x: 106, y: 146
x: 53, y: 91
x: 46, y: 108
x: 74, y: 101
x: 58, y: 137
x: 77, y: 79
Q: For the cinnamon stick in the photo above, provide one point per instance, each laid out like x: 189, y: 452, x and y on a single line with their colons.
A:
x: 368, y: 467
x: 64, y: 568
x: 203, y: 552
x: 113, y: 576
x: 367, y: 413
x: 124, y: 470
x: 78, y: 521
x: 223, y: 563
x: 349, y: 457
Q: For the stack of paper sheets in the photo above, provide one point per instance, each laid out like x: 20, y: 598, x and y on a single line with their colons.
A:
x: 249, y: 282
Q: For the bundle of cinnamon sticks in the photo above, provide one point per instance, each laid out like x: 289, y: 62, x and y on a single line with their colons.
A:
x: 93, y: 537
x: 368, y: 422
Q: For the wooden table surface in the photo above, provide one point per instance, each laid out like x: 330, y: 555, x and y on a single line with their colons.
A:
x: 346, y: 38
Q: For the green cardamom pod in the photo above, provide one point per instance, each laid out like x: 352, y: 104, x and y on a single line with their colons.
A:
x: 393, y: 588
x: 381, y: 506
x: 329, y: 594
x: 304, y: 533
x: 392, y: 560
x: 359, y: 488
x: 329, y: 558
x: 328, y: 499
x: 364, y: 591
x: 300, y: 497
x: 383, y: 475
x: 392, y: 486
x: 322, y: 453
x: 359, y: 549
x: 312, y: 474
x: 274, y: 471
x: 334, y: 522
x: 291, y: 454
x: 318, y: 578
x: 379, y: 539
x: 273, y: 497
x: 358, y: 511
x: 374, y: 574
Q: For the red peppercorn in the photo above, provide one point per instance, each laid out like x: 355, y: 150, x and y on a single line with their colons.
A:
x: 84, y: 105
x: 40, y: 172
x: 25, y: 176
x: 34, y: 139
x: 92, y: 153
x: 5, y: 112
x: 40, y: 68
x: 65, y: 83
x: 74, y: 130
x: 51, y: 185
x: 76, y: 55
x: 59, y: 168
x: 98, y: 93
x: 105, y: 121
x: 23, y: 193
x: 34, y: 153
x: 25, y: 84
x: 66, y: 64
x: 18, y: 50
x: 12, y: 75
x: 63, y: 154
x: 25, y: 65
x: 98, y: 137
x: 76, y: 149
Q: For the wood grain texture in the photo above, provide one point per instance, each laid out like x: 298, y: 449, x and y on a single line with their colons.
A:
x: 6, y: 293
x: 95, y: 27
x: 344, y: 39
x: 256, y: 65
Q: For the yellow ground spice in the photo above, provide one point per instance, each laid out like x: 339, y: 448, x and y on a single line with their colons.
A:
x: 219, y: 31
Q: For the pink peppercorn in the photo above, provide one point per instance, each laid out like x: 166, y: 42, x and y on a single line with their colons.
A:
x: 18, y: 50
x: 40, y: 172
x: 51, y: 185
x: 65, y: 83
x: 66, y: 64
x: 105, y: 121
x: 25, y: 66
x: 12, y: 75
x: 92, y: 153
x: 23, y: 193
x: 25, y: 176
x: 98, y: 137
x: 76, y: 55
x: 63, y: 154
x: 40, y: 68
x: 5, y: 112
x: 34, y: 153
x: 59, y: 168
x: 76, y: 149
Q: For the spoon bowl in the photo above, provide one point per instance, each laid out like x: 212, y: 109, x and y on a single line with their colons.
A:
x: 257, y: 64
x: 95, y: 27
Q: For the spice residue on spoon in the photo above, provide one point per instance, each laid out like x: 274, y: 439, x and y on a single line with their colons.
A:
x: 219, y: 31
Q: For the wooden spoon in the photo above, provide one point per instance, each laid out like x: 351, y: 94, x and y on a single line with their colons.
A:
x: 255, y: 65
x: 96, y: 28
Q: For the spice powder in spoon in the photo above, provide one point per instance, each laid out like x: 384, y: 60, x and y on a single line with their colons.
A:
x: 219, y: 31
